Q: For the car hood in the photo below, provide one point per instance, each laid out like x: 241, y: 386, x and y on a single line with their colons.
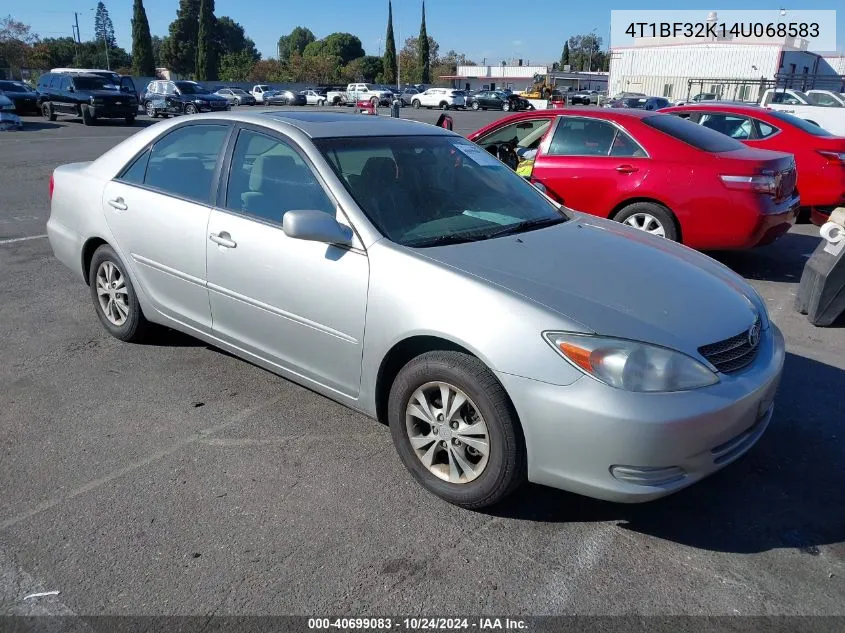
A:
x: 614, y: 281
x: 107, y: 93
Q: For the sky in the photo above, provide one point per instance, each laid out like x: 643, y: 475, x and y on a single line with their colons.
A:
x: 495, y: 30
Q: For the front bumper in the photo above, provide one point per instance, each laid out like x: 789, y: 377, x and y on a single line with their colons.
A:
x: 576, y: 434
x: 9, y: 120
x: 110, y: 111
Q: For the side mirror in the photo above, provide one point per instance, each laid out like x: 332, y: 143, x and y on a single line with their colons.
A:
x: 71, y: 89
x: 315, y: 226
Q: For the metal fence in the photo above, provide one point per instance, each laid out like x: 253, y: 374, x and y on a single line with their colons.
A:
x: 731, y: 88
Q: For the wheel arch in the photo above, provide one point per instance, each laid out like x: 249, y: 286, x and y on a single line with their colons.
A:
x: 88, y: 249
x: 629, y: 201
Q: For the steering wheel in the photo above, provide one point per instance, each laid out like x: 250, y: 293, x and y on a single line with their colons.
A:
x: 505, y: 151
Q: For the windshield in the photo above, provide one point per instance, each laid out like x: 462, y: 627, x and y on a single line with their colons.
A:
x: 635, y: 102
x: 810, y: 128
x: 238, y: 91
x: 9, y: 86
x: 190, y: 88
x: 428, y: 190
x: 693, y: 134
x: 93, y: 83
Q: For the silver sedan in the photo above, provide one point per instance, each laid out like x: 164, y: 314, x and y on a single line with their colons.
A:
x: 401, y: 270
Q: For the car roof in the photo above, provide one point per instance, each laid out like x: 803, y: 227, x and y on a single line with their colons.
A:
x: 334, y: 124
x: 718, y: 106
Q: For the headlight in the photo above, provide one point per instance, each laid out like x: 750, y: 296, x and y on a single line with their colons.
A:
x: 631, y: 365
x: 202, y: 102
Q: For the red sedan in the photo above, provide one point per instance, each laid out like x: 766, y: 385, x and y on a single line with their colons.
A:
x: 654, y: 172
x: 819, y: 155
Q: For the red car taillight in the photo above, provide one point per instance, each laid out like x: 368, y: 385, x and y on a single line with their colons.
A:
x: 51, y: 186
x: 765, y: 183
x: 832, y: 157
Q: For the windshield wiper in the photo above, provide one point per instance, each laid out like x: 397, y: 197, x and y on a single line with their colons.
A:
x: 525, y: 225
x: 451, y: 238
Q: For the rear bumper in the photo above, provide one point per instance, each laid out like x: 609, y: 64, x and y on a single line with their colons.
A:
x: 770, y: 226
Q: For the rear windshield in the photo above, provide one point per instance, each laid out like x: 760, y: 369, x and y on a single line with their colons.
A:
x: 810, y: 128
x: 693, y: 134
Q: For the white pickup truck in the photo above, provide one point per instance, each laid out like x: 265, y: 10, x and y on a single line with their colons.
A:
x: 360, y: 92
x: 801, y: 105
x: 258, y: 92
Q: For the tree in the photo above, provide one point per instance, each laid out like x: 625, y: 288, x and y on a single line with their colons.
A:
x: 157, y: 43
x: 585, y: 52
x: 16, y: 42
x: 294, y: 42
x: 180, y: 52
x: 231, y: 38
x: 564, y: 57
x: 409, y: 58
x: 424, y: 51
x: 371, y: 67
x: 143, y: 59
x: 343, y: 45
x: 206, y: 50
x: 103, y: 27
x: 448, y: 64
x: 236, y: 66
x: 389, y: 63
x: 267, y: 70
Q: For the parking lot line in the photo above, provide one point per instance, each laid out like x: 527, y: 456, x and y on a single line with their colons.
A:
x: 23, y: 239
x: 133, y: 466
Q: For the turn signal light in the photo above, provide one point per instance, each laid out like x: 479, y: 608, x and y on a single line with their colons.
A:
x: 51, y: 186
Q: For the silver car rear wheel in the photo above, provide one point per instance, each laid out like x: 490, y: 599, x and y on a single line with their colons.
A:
x: 447, y: 432
x: 112, y: 293
x: 646, y: 222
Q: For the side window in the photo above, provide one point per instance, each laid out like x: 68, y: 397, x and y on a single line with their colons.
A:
x: 766, y: 130
x: 56, y: 81
x: 527, y: 134
x: 134, y: 174
x: 624, y: 146
x: 65, y: 84
x: 582, y: 137
x: 182, y: 163
x: 738, y: 127
x: 268, y: 178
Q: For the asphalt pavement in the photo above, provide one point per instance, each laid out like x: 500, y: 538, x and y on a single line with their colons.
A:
x: 173, y: 478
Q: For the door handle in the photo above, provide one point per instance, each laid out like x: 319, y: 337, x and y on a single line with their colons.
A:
x: 223, y: 239
x: 118, y: 204
x: 627, y: 169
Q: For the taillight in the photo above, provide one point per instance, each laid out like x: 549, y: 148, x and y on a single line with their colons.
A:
x: 51, y: 186
x: 832, y: 157
x: 765, y: 182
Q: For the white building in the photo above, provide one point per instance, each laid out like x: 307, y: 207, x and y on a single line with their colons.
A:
x: 518, y: 78
x: 666, y: 66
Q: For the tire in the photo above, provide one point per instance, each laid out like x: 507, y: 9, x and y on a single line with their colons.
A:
x: 503, y: 469
x: 444, y: 105
x: 130, y: 120
x: 150, y: 109
x: 87, y: 118
x: 506, y: 106
x: 416, y: 104
x: 475, y: 105
x: 47, y: 111
x: 190, y: 109
x: 642, y: 215
x: 321, y: 103
x: 134, y: 326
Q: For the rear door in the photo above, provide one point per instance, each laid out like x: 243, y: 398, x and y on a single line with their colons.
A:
x: 158, y: 209
x: 591, y: 164
x: 63, y: 97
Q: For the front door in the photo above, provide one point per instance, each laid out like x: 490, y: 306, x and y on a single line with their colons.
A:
x: 298, y: 304
x: 590, y: 164
x: 158, y: 209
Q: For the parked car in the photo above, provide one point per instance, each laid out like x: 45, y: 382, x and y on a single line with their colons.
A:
x: 819, y: 155
x: 498, y: 100
x: 23, y: 98
x: 285, y: 97
x: 585, y: 97
x: 652, y: 171
x: 165, y: 98
x: 407, y: 95
x: 377, y: 95
x: 641, y: 103
x: 705, y: 96
x: 801, y: 105
x: 827, y: 98
x: 9, y: 119
x: 258, y: 92
x: 443, y: 98
x: 124, y: 83
x: 314, y: 96
x: 236, y: 96
x: 601, y: 382
x: 87, y: 96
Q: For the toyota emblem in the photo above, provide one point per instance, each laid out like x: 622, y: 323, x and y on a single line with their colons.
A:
x: 754, y: 335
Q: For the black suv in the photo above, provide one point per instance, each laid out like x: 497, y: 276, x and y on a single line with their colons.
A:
x: 165, y: 98
x: 86, y: 95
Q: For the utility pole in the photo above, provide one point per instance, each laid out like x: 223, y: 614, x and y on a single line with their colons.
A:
x: 78, y: 39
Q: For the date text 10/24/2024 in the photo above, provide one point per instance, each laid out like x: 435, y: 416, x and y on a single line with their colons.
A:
x: 417, y: 624
x: 696, y: 30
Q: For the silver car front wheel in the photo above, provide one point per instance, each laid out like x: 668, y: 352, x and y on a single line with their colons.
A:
x: 447, y: 432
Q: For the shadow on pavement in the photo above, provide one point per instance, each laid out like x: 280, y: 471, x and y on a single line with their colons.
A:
x: 785, y: 493
x: 34, y: 126
x: 782, y: 261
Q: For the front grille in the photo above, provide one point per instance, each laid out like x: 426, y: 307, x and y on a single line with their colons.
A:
x: 733, y: 353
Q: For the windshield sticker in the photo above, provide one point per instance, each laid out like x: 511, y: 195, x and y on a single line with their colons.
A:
x: 478, y: 155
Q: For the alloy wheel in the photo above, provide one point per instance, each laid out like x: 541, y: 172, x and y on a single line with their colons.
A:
x: 112, y: 293
x: 447, y: 432
x: 646, y: 222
